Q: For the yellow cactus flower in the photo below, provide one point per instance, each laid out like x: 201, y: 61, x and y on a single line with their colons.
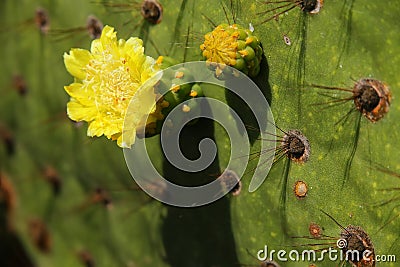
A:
x: 107, y: 78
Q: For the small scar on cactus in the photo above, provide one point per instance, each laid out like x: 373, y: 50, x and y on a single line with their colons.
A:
x: 52, y: 177
x: 315, y: 230
x: 300, y: 189
x: 8, y: 139
x: 20, y: 85
x: 40, y: 235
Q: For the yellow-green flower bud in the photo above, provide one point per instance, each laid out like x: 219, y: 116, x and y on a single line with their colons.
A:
x: 234, y: 46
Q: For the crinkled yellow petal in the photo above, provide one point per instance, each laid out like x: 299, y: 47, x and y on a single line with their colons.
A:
x: 78, y: 112
x: 131, y: 124
x: 141, y: 105
x: 133, y: 49
x: 127, y: 138
x: 96, y: 128
x: 80, y: 93
x: 112, y: 127
x: 76, y: 62
x: 96, y: 47
x: 134, y: 45
x: 107, y: 41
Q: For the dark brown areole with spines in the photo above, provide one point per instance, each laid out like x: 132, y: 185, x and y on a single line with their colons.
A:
x: 283, y: 6
x: 311, y: 6
x: 94, y: 27
x: 372, y: 98
x: 42, y: 20
x: 296, y: 146
x: 358, y: 240
x: 152, y: 11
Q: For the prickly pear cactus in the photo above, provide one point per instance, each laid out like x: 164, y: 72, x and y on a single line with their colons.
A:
x: 69, y: 200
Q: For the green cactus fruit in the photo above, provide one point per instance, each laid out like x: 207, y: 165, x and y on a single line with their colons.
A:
x: 174, y: 89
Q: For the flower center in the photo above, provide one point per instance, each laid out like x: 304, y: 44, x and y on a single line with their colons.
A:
x: 112, y: 84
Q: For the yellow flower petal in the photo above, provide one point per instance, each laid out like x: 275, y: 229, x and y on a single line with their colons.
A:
x: 76, y: 62
x: 78, y: 112
x: 134, y: 44
x: 96, y: 47
x: 107, y: 41
x: 140, y: 110
x: 79, y: 93
x: 112, y: 127
x: 95, y: 128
